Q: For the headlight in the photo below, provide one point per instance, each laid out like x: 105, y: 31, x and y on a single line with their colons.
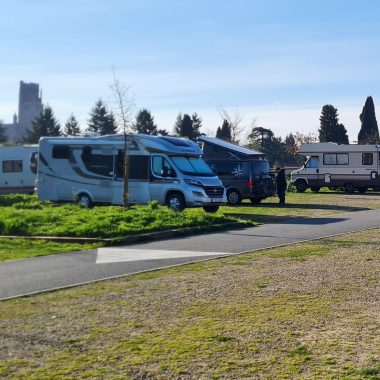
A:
x: 193, y: 182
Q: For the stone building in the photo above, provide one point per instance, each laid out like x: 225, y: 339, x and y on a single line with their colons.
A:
x: 29, y: 107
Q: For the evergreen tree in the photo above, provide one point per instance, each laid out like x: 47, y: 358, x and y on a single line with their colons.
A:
x: 197, y: 125
x: 224, y: 132
x: 44, y: 125
x: 369, y: 131
x: 259, y: 137
x: 189, y: 127
x: 330, y: 130
x: 3, y: 137
x: 178, y: 125
x: 145, y: 123
x: 163, y: 132
x: 71, y: 127
x: 101, y: 121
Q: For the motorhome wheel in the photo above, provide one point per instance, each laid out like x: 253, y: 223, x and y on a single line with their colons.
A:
x: 211, y: 208
x: 84, y: 200
x: 301, y: 186
x: 176, y: 202
x: 233, y: 197
x: 349, y: 188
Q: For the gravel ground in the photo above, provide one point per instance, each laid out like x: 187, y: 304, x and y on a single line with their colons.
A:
x: 307, y: 311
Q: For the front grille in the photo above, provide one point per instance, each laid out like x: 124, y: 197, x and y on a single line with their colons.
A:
x: 214, y: 192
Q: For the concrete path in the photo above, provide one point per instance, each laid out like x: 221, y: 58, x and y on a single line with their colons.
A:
x: 22, y: 277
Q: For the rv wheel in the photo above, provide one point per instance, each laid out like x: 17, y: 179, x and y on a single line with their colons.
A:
x: 301, y: 186
x: 175, y: 202
x: 233, y: 197
x: 211, y: 208
x: 85, y: 200
x: 349, y: 188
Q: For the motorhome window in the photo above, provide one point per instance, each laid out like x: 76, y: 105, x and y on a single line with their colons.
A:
x: 176, y: 141
x: 33, y: 162
x: 227, y: 168
x: 101, y: 164
x: 61, y: 152
x: 192, y: 166
x: 335, y: 158
x: 12, y: 166
x: 367, y: 158
x: 312, y: 162
x: 86, y: 154
x: 161, y: 167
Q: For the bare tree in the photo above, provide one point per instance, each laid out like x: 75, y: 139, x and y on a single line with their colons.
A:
x: 124, y: 109
x: 235, y: 119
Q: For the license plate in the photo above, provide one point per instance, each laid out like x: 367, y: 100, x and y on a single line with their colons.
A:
x: 216, y: 200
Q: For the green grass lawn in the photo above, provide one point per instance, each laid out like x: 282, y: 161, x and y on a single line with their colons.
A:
x: 24, y: 215
x: 13, y: 249
x: 305, y: 311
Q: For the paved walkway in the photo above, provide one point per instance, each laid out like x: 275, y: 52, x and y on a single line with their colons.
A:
x: 22, y: 277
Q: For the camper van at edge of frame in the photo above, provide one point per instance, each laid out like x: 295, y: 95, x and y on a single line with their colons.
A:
x: 18, y: 169
x: 351, y: 167
x: 167, y: 169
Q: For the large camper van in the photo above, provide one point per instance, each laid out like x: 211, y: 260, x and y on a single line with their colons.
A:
x: 18, y: 169
x: 244, y: 172
x: 169, y: 170
x: 351, y: 167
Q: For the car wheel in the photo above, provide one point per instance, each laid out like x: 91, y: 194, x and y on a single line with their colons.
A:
x: 176, y: 202
x: 211, y: 209
x: 301, y: 186
x: 349, y: 188
x: 233, y: 197
x: 84, y: 200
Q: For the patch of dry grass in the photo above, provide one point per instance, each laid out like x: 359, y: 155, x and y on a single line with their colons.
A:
x: 307, y: 311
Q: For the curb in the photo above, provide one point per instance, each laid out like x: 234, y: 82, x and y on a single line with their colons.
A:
x: 154, y: 235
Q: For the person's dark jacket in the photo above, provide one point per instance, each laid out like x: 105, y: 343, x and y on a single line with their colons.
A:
x: 281, y: 180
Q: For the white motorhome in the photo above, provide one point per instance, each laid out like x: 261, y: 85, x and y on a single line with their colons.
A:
x: 90, y: 169
x: 352, y: 167
x: 18, y: 169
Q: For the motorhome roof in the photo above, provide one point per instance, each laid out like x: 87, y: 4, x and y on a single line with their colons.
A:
x: 308, y: 149
x: 234, y: 148
x: 167, y: 144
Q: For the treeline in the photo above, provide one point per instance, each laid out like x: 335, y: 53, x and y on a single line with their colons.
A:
x: 278, y: 150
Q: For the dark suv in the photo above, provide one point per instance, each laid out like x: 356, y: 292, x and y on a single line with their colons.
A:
x: 244, y: 179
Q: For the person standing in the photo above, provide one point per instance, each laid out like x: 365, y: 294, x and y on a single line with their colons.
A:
x: 281, y: 185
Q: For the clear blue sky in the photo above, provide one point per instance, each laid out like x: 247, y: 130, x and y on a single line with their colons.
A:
x: 278, y: 61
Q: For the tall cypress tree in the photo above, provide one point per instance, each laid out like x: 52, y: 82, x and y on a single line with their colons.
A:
x: 44, y: 125
x: 71, y: 127
x: 330, y: 129
x: 369, y: 131
x: 145, y: 123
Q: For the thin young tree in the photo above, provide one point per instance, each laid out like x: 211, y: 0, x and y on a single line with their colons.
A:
x: 124, y: 108
x: 71, y: 127
x: 234, y: 119
x: 44, y: 125
x: 369, y: 131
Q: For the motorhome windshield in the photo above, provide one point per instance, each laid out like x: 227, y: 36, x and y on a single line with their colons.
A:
x: 192, y: 166
x: 260, y: 167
